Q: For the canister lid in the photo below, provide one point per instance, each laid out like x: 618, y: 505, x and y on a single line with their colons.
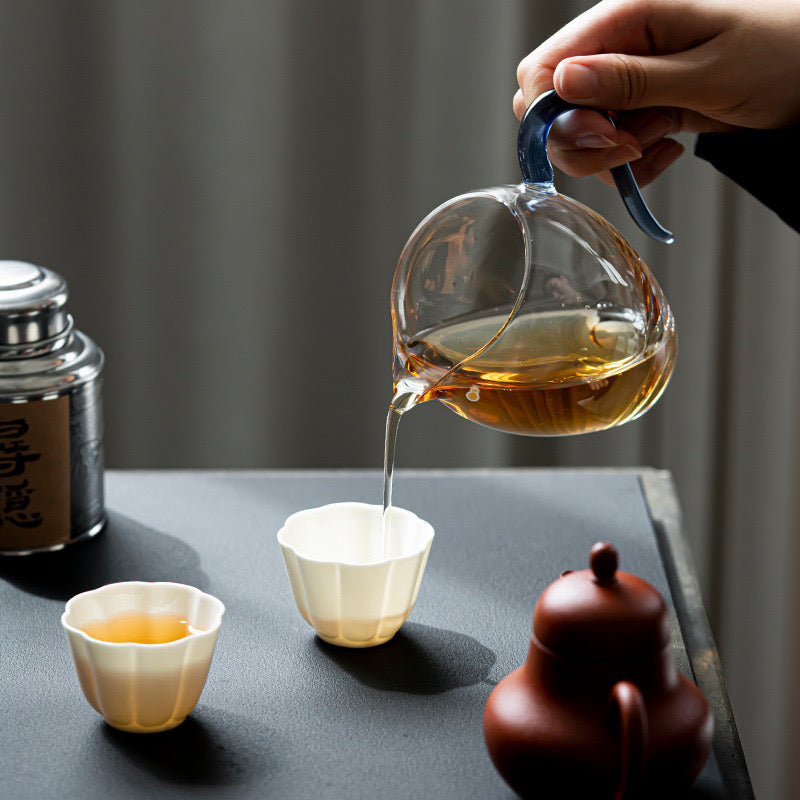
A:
x: 32, y: 302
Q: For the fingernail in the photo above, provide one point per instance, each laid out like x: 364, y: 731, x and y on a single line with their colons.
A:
x: 595, y: 140
x: 576, y: 82
x: 621, y: 155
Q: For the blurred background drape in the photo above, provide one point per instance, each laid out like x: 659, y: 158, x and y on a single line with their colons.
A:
x: 227, y: 185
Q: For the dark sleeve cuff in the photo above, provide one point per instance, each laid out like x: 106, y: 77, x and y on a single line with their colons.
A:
x: 764, y: 163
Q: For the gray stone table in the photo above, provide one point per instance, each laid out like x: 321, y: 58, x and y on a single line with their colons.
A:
x: 284, y: 715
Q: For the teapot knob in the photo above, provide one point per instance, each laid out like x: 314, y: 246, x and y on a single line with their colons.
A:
x: 603, y: 560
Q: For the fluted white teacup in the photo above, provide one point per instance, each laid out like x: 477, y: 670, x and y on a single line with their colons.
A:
x: 354, y: 582
x: 136, y: 686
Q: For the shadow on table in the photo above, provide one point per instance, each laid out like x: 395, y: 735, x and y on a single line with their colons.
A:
x: 418, y: 660
x: 125, y: 551
x: 210, y: 748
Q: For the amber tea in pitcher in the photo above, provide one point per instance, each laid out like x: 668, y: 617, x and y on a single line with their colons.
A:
x: 572, y: 372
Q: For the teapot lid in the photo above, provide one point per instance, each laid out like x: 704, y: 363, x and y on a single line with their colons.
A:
x: 600, y: 614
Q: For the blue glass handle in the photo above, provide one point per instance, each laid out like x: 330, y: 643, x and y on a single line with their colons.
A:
x: 536, y: 168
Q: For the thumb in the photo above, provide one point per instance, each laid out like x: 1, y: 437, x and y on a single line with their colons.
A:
x: 621, y: 82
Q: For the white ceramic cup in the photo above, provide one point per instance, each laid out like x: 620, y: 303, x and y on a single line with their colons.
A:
x: 353, y: 588
x: 138, y: 687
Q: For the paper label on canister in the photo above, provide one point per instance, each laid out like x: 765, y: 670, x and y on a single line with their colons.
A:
x: 34, y: 474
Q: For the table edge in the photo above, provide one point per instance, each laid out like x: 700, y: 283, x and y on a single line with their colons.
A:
x: 662, y: 501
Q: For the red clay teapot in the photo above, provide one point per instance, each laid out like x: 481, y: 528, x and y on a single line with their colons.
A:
x: 599, y: 709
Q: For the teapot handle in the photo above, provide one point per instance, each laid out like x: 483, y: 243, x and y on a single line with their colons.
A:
x: 633, y: 735
x: 537, y: 169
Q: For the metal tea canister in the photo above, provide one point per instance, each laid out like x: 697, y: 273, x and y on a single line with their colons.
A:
x: 51, y: 419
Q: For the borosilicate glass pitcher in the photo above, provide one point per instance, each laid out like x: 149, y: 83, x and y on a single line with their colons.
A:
x: 522, y: 310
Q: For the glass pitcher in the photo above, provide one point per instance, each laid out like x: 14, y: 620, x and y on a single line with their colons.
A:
x: 525, y: 311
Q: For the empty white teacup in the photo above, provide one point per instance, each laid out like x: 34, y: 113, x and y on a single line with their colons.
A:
x: 143, y: 650
x: 351, y: 586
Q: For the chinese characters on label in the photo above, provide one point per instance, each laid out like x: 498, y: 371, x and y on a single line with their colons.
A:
x: 16, y: 493
x: 35, y: 485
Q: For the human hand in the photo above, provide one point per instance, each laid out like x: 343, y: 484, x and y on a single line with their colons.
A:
x: 661, y: 67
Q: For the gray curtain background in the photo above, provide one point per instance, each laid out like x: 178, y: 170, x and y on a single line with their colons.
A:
x: 227, y: 186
